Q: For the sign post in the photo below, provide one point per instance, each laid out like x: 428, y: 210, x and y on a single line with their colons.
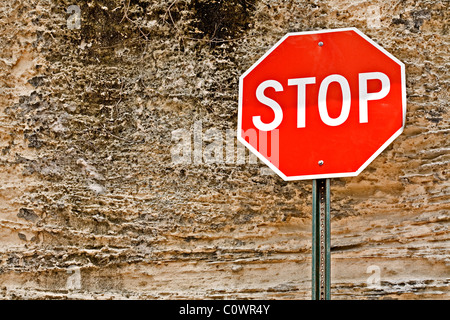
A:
x: 320, y: 105
x: 321, y: 268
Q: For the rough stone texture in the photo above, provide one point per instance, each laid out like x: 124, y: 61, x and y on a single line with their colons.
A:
x: 92, y: 205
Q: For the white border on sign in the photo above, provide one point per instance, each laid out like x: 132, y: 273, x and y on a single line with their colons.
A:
x: 328, y: 175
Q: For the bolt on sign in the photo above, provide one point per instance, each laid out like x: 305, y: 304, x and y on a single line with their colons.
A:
x: 335, y: 97
x: 320, y: 105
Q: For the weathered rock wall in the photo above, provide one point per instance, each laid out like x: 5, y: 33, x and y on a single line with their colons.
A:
x: 93, y: 205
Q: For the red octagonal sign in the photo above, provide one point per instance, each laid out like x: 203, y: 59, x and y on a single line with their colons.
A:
x: 322, y: 104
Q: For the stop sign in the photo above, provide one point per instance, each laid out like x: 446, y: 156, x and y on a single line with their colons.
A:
x: 322, y: 104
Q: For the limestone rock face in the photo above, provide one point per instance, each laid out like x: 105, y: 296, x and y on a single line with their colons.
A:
x: 96, y: 203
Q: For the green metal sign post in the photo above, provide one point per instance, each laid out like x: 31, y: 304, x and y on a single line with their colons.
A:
x: 321, y: 268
